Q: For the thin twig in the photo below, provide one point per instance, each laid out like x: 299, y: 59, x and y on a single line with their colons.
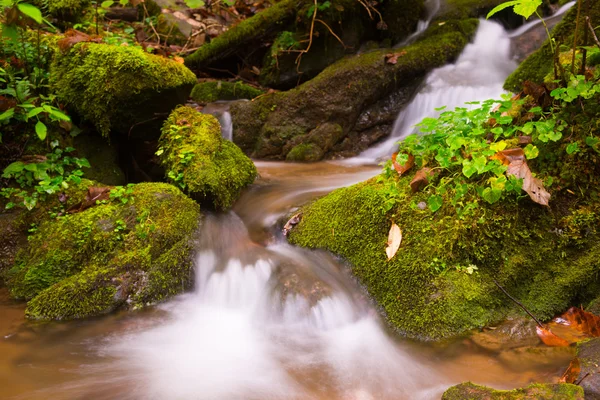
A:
x: 581, y: 380
x: 518, y: 303
x: 575, y: 37
x: 589, y: 24
x: 367, y: 8
x: 310, y: 38
x: 333, y: 33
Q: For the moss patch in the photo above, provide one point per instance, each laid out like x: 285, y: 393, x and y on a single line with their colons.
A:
x: 91, y: 262
x: 199, y: 160
x: 115, y: 87
x: 207, y: 92
x: 471, y: 391
x: 424, y: 290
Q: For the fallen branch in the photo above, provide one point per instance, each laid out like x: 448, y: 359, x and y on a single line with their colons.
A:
x: 517, y: 302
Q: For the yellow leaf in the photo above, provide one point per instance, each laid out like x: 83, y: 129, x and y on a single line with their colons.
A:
x: 394, y: 240
x: 498, y: 146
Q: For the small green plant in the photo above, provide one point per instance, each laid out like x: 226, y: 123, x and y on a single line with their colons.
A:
x: 46, y: 176
x: 123, y: 194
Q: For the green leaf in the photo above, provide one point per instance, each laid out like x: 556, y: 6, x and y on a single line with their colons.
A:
x: 526, y: 8
x: 531, y: 151
x: 479, y: 163
x: 468, y: 168
x: 573, y: 148
x: 107, y: 4
x: 13, y: 169
x: 56, y: 113
x: 501, y: 7
x: 435, y: 202
x: 491, y: 195
x: 31, y: 11
x: 6, y: 115
x: 41, y: 130
x: 555, y: 136
x: 194, y: 3
x: 33, y: 112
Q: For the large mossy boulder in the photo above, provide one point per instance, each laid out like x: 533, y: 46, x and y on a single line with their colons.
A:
x: 546, y: 259
x: 471, y: 391
x: 130, y: 251
x: 275, y: 125
x: 539, y: 65
x: 119, y: 87
x: 198, y: 159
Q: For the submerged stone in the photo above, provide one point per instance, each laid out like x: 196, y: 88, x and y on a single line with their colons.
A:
x: 200, y: 161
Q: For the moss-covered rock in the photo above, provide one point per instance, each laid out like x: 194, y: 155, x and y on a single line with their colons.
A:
x: 539, y: 65
x: 588, y: 353
x: 210, y: 91
x: 265, y: 127
x: 103, y: 158
x: 117, y: 87
x: 133, y: 250
x: 260, y: 25
x: 199, y: 160
x: 424, y: 290
x: 471, y: 391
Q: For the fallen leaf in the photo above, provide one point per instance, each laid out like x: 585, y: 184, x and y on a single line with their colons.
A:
x: 580, y: 320
x: 291, y: 223
x: 93, y: 195
x: 178, y: 59
x: 572, y: 373
x: 421, y: 179
x: 401, y: 169
x: 517, y: 167
x: 392, y: 58
x: 72, y: 37
x: 549, y: 338
x: 394, y: 240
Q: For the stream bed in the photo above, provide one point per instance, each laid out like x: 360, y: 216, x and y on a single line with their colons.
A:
x: 266, y: 321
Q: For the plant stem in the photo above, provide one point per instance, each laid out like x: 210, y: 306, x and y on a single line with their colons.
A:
x: 575, y: 37
x: 547, y: 31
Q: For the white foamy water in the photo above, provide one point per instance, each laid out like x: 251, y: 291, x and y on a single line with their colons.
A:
x: 432, y: 6
x: 246, y: 333
x: 220, y: 110
x: 478, y: 74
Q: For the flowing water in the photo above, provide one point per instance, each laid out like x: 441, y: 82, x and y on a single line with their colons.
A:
x: 266, y: 320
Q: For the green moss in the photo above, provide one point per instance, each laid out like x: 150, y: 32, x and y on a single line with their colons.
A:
x: 421, y: 290
x: 115, y: 87
x: 208, y: 92
x: 305, y: 152
x: 80, y: 258
x: 65, y: 9
x: 197, y: 158
x: 471, y: 391
x: 459, y: 9
x: 254, y: 27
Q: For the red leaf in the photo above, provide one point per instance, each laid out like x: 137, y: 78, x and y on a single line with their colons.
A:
x: 401, y: 169
x: 421, y: 179
x: 549, y: 338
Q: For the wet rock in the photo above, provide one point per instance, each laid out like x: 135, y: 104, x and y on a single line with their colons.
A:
x: 265, y: 127
x: 512, y: 333
x: 525, y: 358
x: 589, y: 359
x: 103, y: 158
x: 471, y: 391
x: 298, y: 280
x: 210, y: 91
x: 12, y: 239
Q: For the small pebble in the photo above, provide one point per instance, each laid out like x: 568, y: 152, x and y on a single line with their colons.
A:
x: 422, y: 205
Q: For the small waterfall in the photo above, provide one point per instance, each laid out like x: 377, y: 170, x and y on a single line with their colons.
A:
x: 220, y: 110
x: 432, y: 6
x: 478, y: 74
x: 268, y: 323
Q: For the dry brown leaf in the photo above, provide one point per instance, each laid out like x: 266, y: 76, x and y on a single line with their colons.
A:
x: 421, y: 179
x: 572, y: 373
x: 291, y: 223
x: 401, y: 169
x: 549, y: 338
x: 394, y: 240
x: 517, y: 167
x: 72, y: 37
x: 93, y: 195
x: 392, y: 58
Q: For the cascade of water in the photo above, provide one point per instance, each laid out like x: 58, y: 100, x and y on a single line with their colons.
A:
x: 432, y: 6
x: 477, y: 74
x: 249, y: 332
x: 220, y: 110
